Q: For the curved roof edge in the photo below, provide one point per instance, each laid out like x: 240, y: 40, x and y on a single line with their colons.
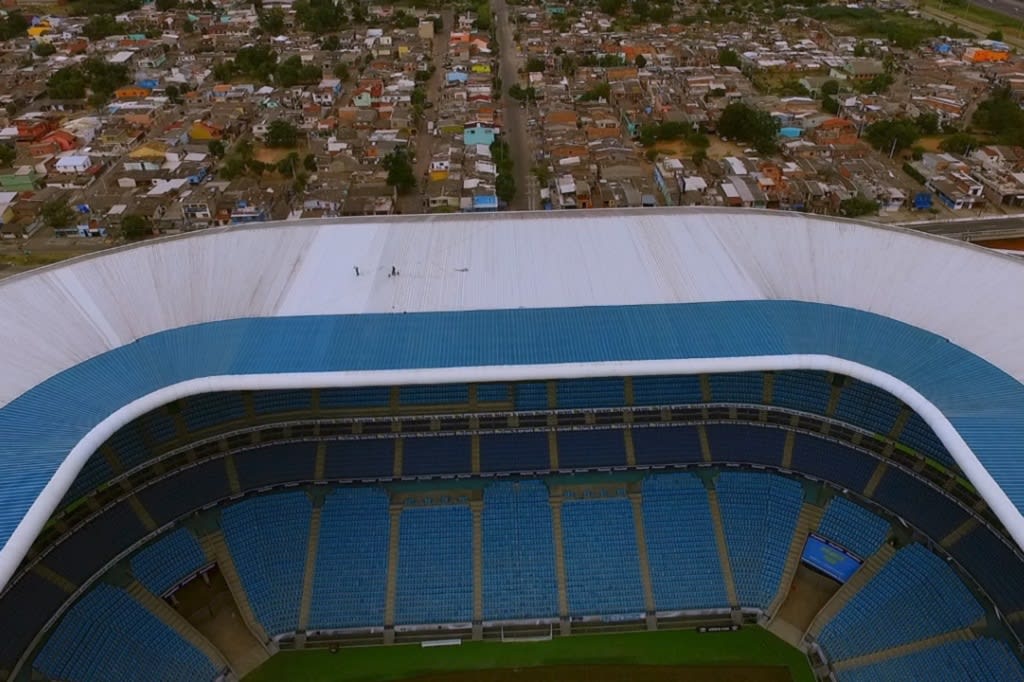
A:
x: 47, y: 501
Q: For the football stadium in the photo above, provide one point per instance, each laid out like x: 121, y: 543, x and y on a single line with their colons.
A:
x: 697, y: 444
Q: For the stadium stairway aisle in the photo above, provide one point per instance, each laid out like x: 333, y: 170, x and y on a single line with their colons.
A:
x: 309, y: 574
x: 174, y: 620
x: 810, y: 516
x: 636, y: 500
x: 868, y: 570
x: 723, y: 551
x: 216, y: 549
x: 904, y: 649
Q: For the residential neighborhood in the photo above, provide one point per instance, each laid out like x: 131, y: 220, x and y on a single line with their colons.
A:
x: 169, y: 117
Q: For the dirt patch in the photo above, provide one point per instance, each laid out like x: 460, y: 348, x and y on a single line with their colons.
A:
x: 719, y: 149
x: 270, y: 156
x: 617, y: 673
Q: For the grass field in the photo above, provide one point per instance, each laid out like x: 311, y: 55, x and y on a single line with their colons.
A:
x: 743, y: 651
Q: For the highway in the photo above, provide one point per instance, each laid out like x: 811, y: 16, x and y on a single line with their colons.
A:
x: 513, y: 116
x: 974, y: 230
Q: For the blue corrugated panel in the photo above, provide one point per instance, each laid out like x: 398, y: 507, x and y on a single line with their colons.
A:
x: 985, y: 404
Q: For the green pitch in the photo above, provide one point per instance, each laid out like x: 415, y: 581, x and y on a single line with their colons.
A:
x: 750, y: 646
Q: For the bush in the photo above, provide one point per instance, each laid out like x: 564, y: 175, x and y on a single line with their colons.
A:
x: 914, y: 173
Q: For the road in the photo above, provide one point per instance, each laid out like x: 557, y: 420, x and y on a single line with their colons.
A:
x: 974, y: 230
x: 1014, y: 12
x: 513, y: 116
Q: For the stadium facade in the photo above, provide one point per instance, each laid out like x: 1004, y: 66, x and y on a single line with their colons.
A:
x: 713, y: 327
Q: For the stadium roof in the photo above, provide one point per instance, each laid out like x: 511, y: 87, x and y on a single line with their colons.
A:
x: 93, y: 343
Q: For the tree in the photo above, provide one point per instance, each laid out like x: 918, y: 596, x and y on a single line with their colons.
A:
x: 927, y: 123
x: 272, y: 21
x: 289, y: 165
x: 830, y: 88
x: 293, y: 72
x: 505, y: 187
x: 892, y: 135
x: 165, y: 5
x: 330, y: 43
x: 341, y: 71
x: 13, y: 25
x: 611, y: 7
x: 309, y: 163
x: 57, y: 214
x: 1001, y: 116
x: 535, y: 65
x: 959, y: 143
x: 102, y: 78
x: 135, y: 226
x: 281, y: 134
x: 100, y: 26
x: 401, y: 175
x: 858, y: 206
x: 216, y: 149
x: 640, y: 61
x: 757, y: 128
x: 729, y: 57
x: 860, y: 49
x: 44, y: 49
x: 7, y: 155
x: 995, y: 35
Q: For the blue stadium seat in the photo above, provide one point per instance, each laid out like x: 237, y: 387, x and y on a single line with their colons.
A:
x: 526, y: 451
x: 369, y: 458
x: 109, y: 636
x: 868, y: 407
x: 531, y: 395
x: 677, y: 390
x: 127, y: 442
x: 212, y: 409
x: 86, y: 551
x: 268, y: 536
x: 604, y: 392
x: 666, y: 445
x: 802, y: 390
x: 282, y: 463
x: 919, y: 436
x: 426, y: 456
x: 186, y: 491
x: 270, y: 402
x: 759, y: 513
x: 351, y: 560
x: 366, y: 396
x: 976, y: 660
x: 986, y: 557
x: 915, y: 596
x: 854, y: 527
x: 489, y: 393
x: 95, y: 472
x: 738, y: 387
x: 158, y: 426
x: 434, y: 394
x: 746, y: 443
x: 518, y: 552
x: 162, y: 564
x: 686, y: 572
x: 586, y: 449
x: 830, y: 461
x: 920, y: 504
x: 435, y: 566
x: 27, y: 606
x: 602, y: 564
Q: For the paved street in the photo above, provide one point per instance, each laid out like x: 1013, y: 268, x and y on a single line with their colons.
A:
x: 514, y: 117
x: 982, y: 228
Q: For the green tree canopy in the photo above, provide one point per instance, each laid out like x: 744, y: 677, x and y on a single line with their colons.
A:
x: 859, y: 205
x: 13, y: 25
x: 756, y: 128
x: 892, y: 135
x: 729, y: 57
x: 1001, y: 116
x: 216, y: 149
x: 7, y: 155
x: 293, y: 72
x: 282, y: 134
x: 272, y: 21
x: 57, y: 214
x: 959, y: 143
x: 401, y: 175
x: 97, y: 75
x: 135, y: 226
x: 505, y: 187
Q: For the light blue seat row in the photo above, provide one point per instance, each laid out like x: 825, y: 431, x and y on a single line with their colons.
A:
x: 435, y: 566
x: 602, y: 564
x: 268, y: 538
x: 918, y: 435
x: 759, y: 513
x: 977, y: 660
x: 915, y: 596
x: 869, y: 407
x: 519, y: 552
x: 351, y: 560
x: 854, y: 527
x: 802, y: 390
x: 737, y: 387
x: 686, y: 572
x: 603, y: 392
x: 163, y: 563
x: 109, y: 636
x: 667, y: 390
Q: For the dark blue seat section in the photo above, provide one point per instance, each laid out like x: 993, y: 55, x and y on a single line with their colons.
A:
x: 86, y: 551
x: 268, y: 402
x: 805, y: 391
x: 24, y: 610
x: 367, y: 396
x: 95, y: 472
x: 282, y: 463
x: 129, y: 446
x: 526, y: 451
x: 188, y: 490
x: 745, y: 443
x: 868, y: 407
x: 666, y: 445
x: 489, y: 393
x: 532, y: 396
x: 599, y: 448
x: 431, y: 394
x: 989, y: 561
x: 918, y: 435
x: 606, y: 392
x: 206, y: 410
x: 158, y: 426
x: 919, y: 504
x: 436, y: 455
x: 371, y: 458
x: 738, y: 387
x: 833, y: 462
x: 678, y: 390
